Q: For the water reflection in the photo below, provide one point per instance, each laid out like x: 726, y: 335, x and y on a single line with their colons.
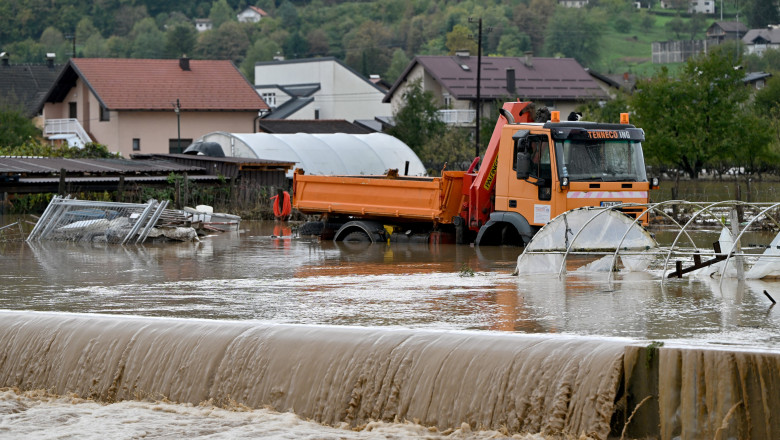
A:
x: 264, y: 273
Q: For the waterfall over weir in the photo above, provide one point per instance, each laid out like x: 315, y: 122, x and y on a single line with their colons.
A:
x: 523, y: 383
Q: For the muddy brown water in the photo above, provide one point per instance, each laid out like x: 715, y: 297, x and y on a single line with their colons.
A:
x: 343, y: 334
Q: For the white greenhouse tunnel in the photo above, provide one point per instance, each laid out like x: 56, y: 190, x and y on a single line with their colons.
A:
x: 323, y: 154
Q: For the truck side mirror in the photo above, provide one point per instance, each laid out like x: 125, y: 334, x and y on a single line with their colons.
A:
x: 523, y: 164
x: 523, y: 159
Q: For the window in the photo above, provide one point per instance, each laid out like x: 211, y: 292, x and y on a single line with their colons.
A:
x: 72, y: 110
x: 136, y: 144
x: 177, y: 146
x: 270, y: 98
x: 105, y: 115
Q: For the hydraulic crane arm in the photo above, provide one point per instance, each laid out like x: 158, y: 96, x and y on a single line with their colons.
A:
x: 480, y: 200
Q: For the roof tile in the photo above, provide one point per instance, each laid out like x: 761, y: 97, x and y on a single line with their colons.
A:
x: 144, y: 84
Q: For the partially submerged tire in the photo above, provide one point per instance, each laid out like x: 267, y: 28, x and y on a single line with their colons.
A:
x: 356, y: 237
x: 355, y: 241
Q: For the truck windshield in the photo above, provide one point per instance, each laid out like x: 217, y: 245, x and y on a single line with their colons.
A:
x: 601, y: 160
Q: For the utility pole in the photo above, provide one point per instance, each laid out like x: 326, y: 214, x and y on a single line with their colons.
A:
x: 73, y: 38
x: 479, y: 83
x: 479, y: 80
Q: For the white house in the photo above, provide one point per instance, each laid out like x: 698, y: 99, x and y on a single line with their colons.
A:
x: 252, y: 14
x: 203, y: 24
x: 758, y: 40
x: 318, y: 88
x: 695, y: 6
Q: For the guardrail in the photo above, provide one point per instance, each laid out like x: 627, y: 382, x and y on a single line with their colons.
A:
x: 457, y: 117
x: 55, y: 127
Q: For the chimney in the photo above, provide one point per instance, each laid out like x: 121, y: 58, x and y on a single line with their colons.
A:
x: 462, y: 53
x: 510, y: 80
x: 184, y: 63
x: 50, y: 59
x: 4, y: 56
x: 528, y: 59
x: 625, y: 76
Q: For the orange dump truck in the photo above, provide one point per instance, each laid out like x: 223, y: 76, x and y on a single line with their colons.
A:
x: 531, y: 172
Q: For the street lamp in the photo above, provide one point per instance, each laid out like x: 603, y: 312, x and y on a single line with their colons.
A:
x: 177, y: 108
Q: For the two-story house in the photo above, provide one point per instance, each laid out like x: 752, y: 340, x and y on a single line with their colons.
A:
x: 721, y: 31
x: 318, y: 88
x: 557, y: 83
x: 759, y: 40
x: 148, y: 106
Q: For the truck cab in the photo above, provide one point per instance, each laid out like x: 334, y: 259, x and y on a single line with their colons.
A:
x: 545, y: 169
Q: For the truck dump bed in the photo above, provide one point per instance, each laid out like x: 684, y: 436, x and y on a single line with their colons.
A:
x: 401, y: 198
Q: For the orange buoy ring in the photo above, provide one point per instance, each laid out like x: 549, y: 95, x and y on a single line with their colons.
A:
x: 282, y: 208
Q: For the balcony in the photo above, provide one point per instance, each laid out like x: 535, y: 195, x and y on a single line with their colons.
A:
x: 457, y: 117
x: 68, y: 130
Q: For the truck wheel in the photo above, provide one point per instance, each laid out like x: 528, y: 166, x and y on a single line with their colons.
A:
x: 357, y: 237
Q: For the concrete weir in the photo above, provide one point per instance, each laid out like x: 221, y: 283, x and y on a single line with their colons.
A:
x: 522, y: 383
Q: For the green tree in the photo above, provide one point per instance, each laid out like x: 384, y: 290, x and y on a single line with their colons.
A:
x: 761, y: 13
x: 85, y: 29
x: 317, y: 41
x: 513, y: 43
x: 397, y: 65
x: 295, y: 46
x: 677, y: 25
x: 453, y: 149
x: 646, y: 20
x: 697, y: 118
x: 95, y: 47
x: 367, y: 48
x: 118, y: 47
x: 148, y: 41
x: 460, y: 39
x: 228, y: 42
x: 289, y: 15
x: 17, y: 129
x: 180, y: 40
x: 575, y: 33
x: 417, y: 122
x: 532, y: 18
x: 220, y: 13
x: 608, y: 111
x: 696, y: 25
x: 263, y: 49
x: 52, y: 39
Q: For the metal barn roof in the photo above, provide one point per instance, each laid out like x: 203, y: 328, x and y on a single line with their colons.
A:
x: 323, y: 154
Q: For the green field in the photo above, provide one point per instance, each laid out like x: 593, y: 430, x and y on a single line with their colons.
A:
x: 632, y: 51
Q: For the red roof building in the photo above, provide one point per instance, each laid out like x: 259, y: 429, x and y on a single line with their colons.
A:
x: 149, y: 106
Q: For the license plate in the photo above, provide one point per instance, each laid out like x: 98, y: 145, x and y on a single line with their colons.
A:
x: 610, y: 204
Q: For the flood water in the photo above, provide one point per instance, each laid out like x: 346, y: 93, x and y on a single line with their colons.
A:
x: 265, y: 274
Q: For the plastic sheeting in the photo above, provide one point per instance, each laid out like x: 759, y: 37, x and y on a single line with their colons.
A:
x: 323, y: 154
x: 587, y: 230
x: 768, y: 265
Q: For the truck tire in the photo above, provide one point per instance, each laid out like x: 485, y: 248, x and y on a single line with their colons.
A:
x: 357, y: 237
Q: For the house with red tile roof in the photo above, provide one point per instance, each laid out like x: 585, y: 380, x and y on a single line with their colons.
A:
x: 148, y: 106
x: 557, y: 83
